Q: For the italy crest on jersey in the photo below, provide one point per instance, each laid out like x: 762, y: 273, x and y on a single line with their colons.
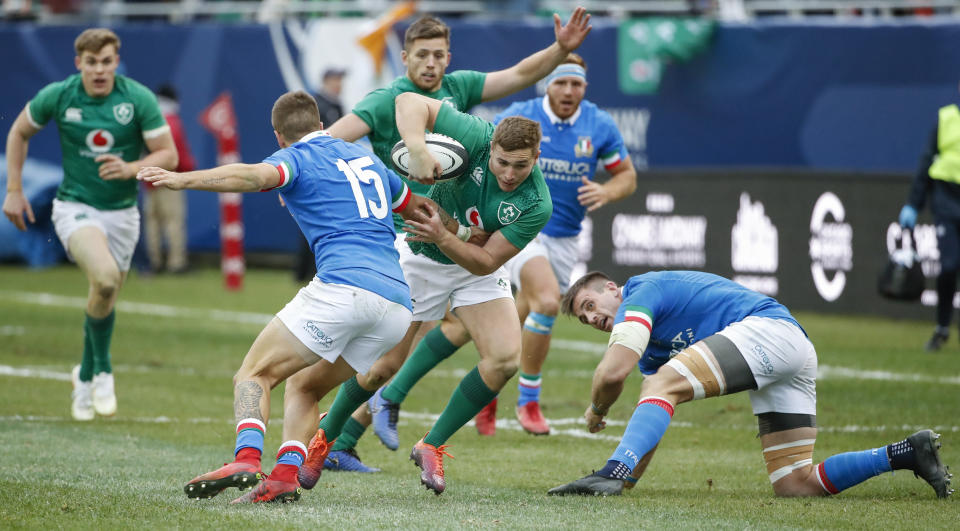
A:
x: 584, y: 147
x: 507, y: 213
x: 123, y: 112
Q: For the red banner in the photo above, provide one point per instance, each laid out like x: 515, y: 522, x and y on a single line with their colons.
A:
x: 220, y: 119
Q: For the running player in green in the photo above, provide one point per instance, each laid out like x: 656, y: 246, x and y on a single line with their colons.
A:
x: 502, y: 192
x: 426, y: 55
x: 106, y: 122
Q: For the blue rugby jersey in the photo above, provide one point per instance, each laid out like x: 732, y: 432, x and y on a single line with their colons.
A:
x: 683, y: 307
x: 341, y: 196
x: 570, y: 149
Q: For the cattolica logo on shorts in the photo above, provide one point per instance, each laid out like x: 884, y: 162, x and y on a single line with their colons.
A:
x: 318, y: 335
x: 99, y: 140
x: 123, y: 112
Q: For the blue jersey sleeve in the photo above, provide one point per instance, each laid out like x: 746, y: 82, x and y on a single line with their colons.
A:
x: 611, y: 150
x: 643, y: 301
x: 288, y: 164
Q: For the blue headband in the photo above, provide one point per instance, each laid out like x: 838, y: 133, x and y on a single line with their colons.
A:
x: 567, y: 70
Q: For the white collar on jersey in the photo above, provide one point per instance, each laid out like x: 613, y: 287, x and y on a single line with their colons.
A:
x: 310, y: 136
x: 554, y: 119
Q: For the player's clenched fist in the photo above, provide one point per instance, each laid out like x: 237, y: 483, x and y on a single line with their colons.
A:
x: 595, y: 422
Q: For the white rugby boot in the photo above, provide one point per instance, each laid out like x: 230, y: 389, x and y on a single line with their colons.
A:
x: 82, y: 407
x: 104, y: 399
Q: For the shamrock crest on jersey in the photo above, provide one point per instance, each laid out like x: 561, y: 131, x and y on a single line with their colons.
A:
x: 507, y: 213
x: 123, y: 112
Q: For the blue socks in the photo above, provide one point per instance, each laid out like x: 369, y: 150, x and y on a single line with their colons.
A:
x: 529, y: 388
x: 250, y: 435
x: 644, y: 431
x: 842, y: 471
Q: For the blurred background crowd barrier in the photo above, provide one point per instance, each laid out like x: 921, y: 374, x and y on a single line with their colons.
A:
x: 723, y: 105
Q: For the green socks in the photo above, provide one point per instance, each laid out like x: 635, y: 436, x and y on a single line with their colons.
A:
x: 97, y: 334
x: 349, y: 398
x: 434, y: 348
x: 86, y: 363
x: 468, y: 399
x: 352, y: 431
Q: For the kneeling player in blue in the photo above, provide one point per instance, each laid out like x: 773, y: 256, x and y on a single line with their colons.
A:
x: 355, y: 309
x: 696, y: 335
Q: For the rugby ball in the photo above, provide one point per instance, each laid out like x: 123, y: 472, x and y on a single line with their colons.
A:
x: 450, y: 153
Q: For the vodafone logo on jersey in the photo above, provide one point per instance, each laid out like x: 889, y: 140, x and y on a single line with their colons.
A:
x: 99, y: 140
x: 473, y: 217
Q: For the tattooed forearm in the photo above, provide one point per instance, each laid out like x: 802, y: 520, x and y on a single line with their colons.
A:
x: 246, y: 401
x: 451, y: 224
x: 210, y: 181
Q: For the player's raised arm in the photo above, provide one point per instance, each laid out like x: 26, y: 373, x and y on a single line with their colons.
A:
x: 349, y: 128
x: 535, y: 67
x: 227, y: 178
x: 415, y: 114
x: 15, y: 204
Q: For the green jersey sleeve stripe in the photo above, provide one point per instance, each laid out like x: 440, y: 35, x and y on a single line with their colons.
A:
x: 154, y: 133
x: 30, y: 118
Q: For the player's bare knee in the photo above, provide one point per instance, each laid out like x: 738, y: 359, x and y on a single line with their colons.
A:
x: 455, y: 332
x: 379, y: 374
x: 505, y: 366
x: 546, y: 303
x: 105, y: 286
x: 666, y: 384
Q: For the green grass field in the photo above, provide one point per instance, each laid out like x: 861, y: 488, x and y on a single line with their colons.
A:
x: 179, y: 339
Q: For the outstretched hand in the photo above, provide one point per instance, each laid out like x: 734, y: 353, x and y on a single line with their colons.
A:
x: 15, y: 205
x: 158, y: 177
x: 571, y: 36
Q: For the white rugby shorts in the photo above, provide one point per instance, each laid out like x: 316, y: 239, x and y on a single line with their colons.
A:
x: 433, y: 284
x: 783, y: 362
x: 336, y: 320
x: 121, y: 227
x: 562, y: 253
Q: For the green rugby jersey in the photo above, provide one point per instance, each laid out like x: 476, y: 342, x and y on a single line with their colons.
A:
x: 461, y: 89
x: 116, y: 124
x: 475, y: 198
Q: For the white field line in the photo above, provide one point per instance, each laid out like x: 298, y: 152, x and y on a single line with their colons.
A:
x: 143, y: 308
x: 588, y: 347
x: 12, y: 330
x: 576, y: 427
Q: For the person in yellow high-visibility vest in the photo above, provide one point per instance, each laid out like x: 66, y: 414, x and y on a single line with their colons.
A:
x: 938, y: 177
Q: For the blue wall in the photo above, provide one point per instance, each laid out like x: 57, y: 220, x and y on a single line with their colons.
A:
x: 824, y: 96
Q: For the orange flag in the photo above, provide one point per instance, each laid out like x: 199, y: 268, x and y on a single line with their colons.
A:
x: 375, y: 42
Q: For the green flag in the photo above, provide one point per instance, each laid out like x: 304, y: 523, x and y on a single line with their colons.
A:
x: 645, y: 45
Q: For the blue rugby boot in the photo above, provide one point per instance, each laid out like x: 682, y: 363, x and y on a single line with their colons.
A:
x: 347, y: 461
x: 385, y: 414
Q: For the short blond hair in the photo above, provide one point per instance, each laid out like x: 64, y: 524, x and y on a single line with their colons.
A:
x: 94, y: 39
x: 574, y: 58
x: 294, y: 115
x: 517, y: 132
